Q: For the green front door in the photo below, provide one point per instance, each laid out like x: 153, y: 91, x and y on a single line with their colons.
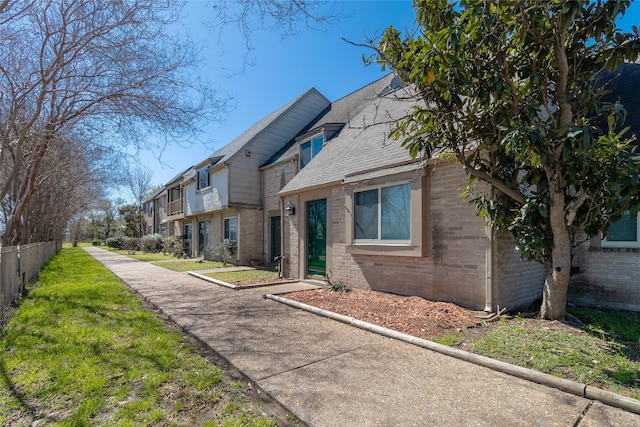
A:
x: 316, y: 238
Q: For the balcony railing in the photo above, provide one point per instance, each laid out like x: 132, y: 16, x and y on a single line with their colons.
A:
x: 175, y: 207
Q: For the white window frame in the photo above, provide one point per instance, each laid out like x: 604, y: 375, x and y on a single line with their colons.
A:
x: 224, y: 228
x: 624, y: 243
x: 379, y: 240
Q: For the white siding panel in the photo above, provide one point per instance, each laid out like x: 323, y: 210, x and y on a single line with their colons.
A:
x: 245, y: 178
x: 209, y: 199
x: 189, y: 199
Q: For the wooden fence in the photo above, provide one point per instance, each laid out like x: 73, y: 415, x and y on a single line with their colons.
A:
x: 19, y: 265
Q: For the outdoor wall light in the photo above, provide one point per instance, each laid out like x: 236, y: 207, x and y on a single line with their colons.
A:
x: 290, y: 209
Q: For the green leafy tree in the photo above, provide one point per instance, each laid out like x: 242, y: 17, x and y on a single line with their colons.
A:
x: 513, y: 90
x: 130, y: 217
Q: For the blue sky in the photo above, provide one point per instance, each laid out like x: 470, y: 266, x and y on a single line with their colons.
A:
x: 284, y: 69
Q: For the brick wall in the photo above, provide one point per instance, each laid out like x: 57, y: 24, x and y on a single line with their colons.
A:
x: 291, y: 235
x: 454, y: 272
x: 455, y: 269
x: 607, y: 278
x: 517, y: 282
x: 274, y: 179
x: 250, y: 236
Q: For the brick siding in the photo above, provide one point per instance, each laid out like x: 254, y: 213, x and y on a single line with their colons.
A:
x: 456, y: 268
x: 607, y: 278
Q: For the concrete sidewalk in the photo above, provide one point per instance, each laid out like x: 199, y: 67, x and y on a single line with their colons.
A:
x: 331, y: 374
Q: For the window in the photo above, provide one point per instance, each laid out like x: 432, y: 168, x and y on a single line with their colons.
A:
x: 174, y: 194
x: 310, y: 149
x: 203, y: 179
x: 623, y: 233
x: 231, y: 229
x: 150, y: 208
x: 383, y: 214
x: 163, y: 231
x: 187, y: 232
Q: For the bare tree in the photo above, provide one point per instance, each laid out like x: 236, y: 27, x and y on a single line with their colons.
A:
x: 286, y: 17
x: 138, y: 183
x: 112, y: 72
x: 71, y: 176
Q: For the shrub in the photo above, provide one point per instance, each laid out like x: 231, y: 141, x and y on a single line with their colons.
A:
x: 223, y: 252
x: 131, y: 244
x: 151, y: 243
x: 114, y: 242
x: 173, y: 245
x: 338, y: 286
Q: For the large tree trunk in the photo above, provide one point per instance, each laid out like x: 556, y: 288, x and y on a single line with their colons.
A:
x: 554, y: 297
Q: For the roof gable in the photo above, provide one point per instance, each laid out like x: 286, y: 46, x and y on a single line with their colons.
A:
x: 361, y: 146
x: 337, y: 115
x: 239, y: 144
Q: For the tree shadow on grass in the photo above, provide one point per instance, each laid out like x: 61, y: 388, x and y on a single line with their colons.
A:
x: 24, y: 406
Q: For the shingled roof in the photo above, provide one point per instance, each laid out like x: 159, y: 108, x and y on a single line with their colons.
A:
x: 362, y: 146
x: 339, y: 113
x: 235, y: 146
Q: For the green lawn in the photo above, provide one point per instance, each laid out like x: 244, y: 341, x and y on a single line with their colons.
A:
x: 82, y: 350
x: 170, y: 262
x: 148, y: 257
x: 605, y: 352
x: 244, y: 275
x: 190, y: 265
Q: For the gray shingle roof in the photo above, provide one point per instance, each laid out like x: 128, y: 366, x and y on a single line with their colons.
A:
x: 340, y: 111
x: 362, y: 145
x: 255, y: 129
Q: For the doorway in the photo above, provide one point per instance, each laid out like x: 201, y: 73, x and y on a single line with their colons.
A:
x: 316, y: 215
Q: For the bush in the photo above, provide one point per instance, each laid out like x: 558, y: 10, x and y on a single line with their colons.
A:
x: 151, y: 243
x: 131, y: 244
x: 114, y: 242
x: 173, y: 245
x: 223, y: 252
x: 338, y: 286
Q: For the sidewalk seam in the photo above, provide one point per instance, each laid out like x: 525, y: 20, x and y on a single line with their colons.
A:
x: 315, y: 362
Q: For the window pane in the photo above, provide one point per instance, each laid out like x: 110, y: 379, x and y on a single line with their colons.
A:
x: 396, y: 212
x: 203, y: 179
x: 175, y: 194
x: 317, y: 145
x: 624, y: 230
x: 305, y: 154
x: 366, y: 215
x: 231, y: 229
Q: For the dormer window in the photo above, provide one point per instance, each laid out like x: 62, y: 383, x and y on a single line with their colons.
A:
x: 309, y: 149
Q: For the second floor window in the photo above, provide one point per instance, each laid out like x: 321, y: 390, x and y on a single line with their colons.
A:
x: 203, y: 179
x: 174, y: 194
x: 310, y: 149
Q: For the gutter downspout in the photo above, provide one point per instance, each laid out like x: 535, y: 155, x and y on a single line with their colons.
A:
x: 265, y: 215
x: 489, y: 251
